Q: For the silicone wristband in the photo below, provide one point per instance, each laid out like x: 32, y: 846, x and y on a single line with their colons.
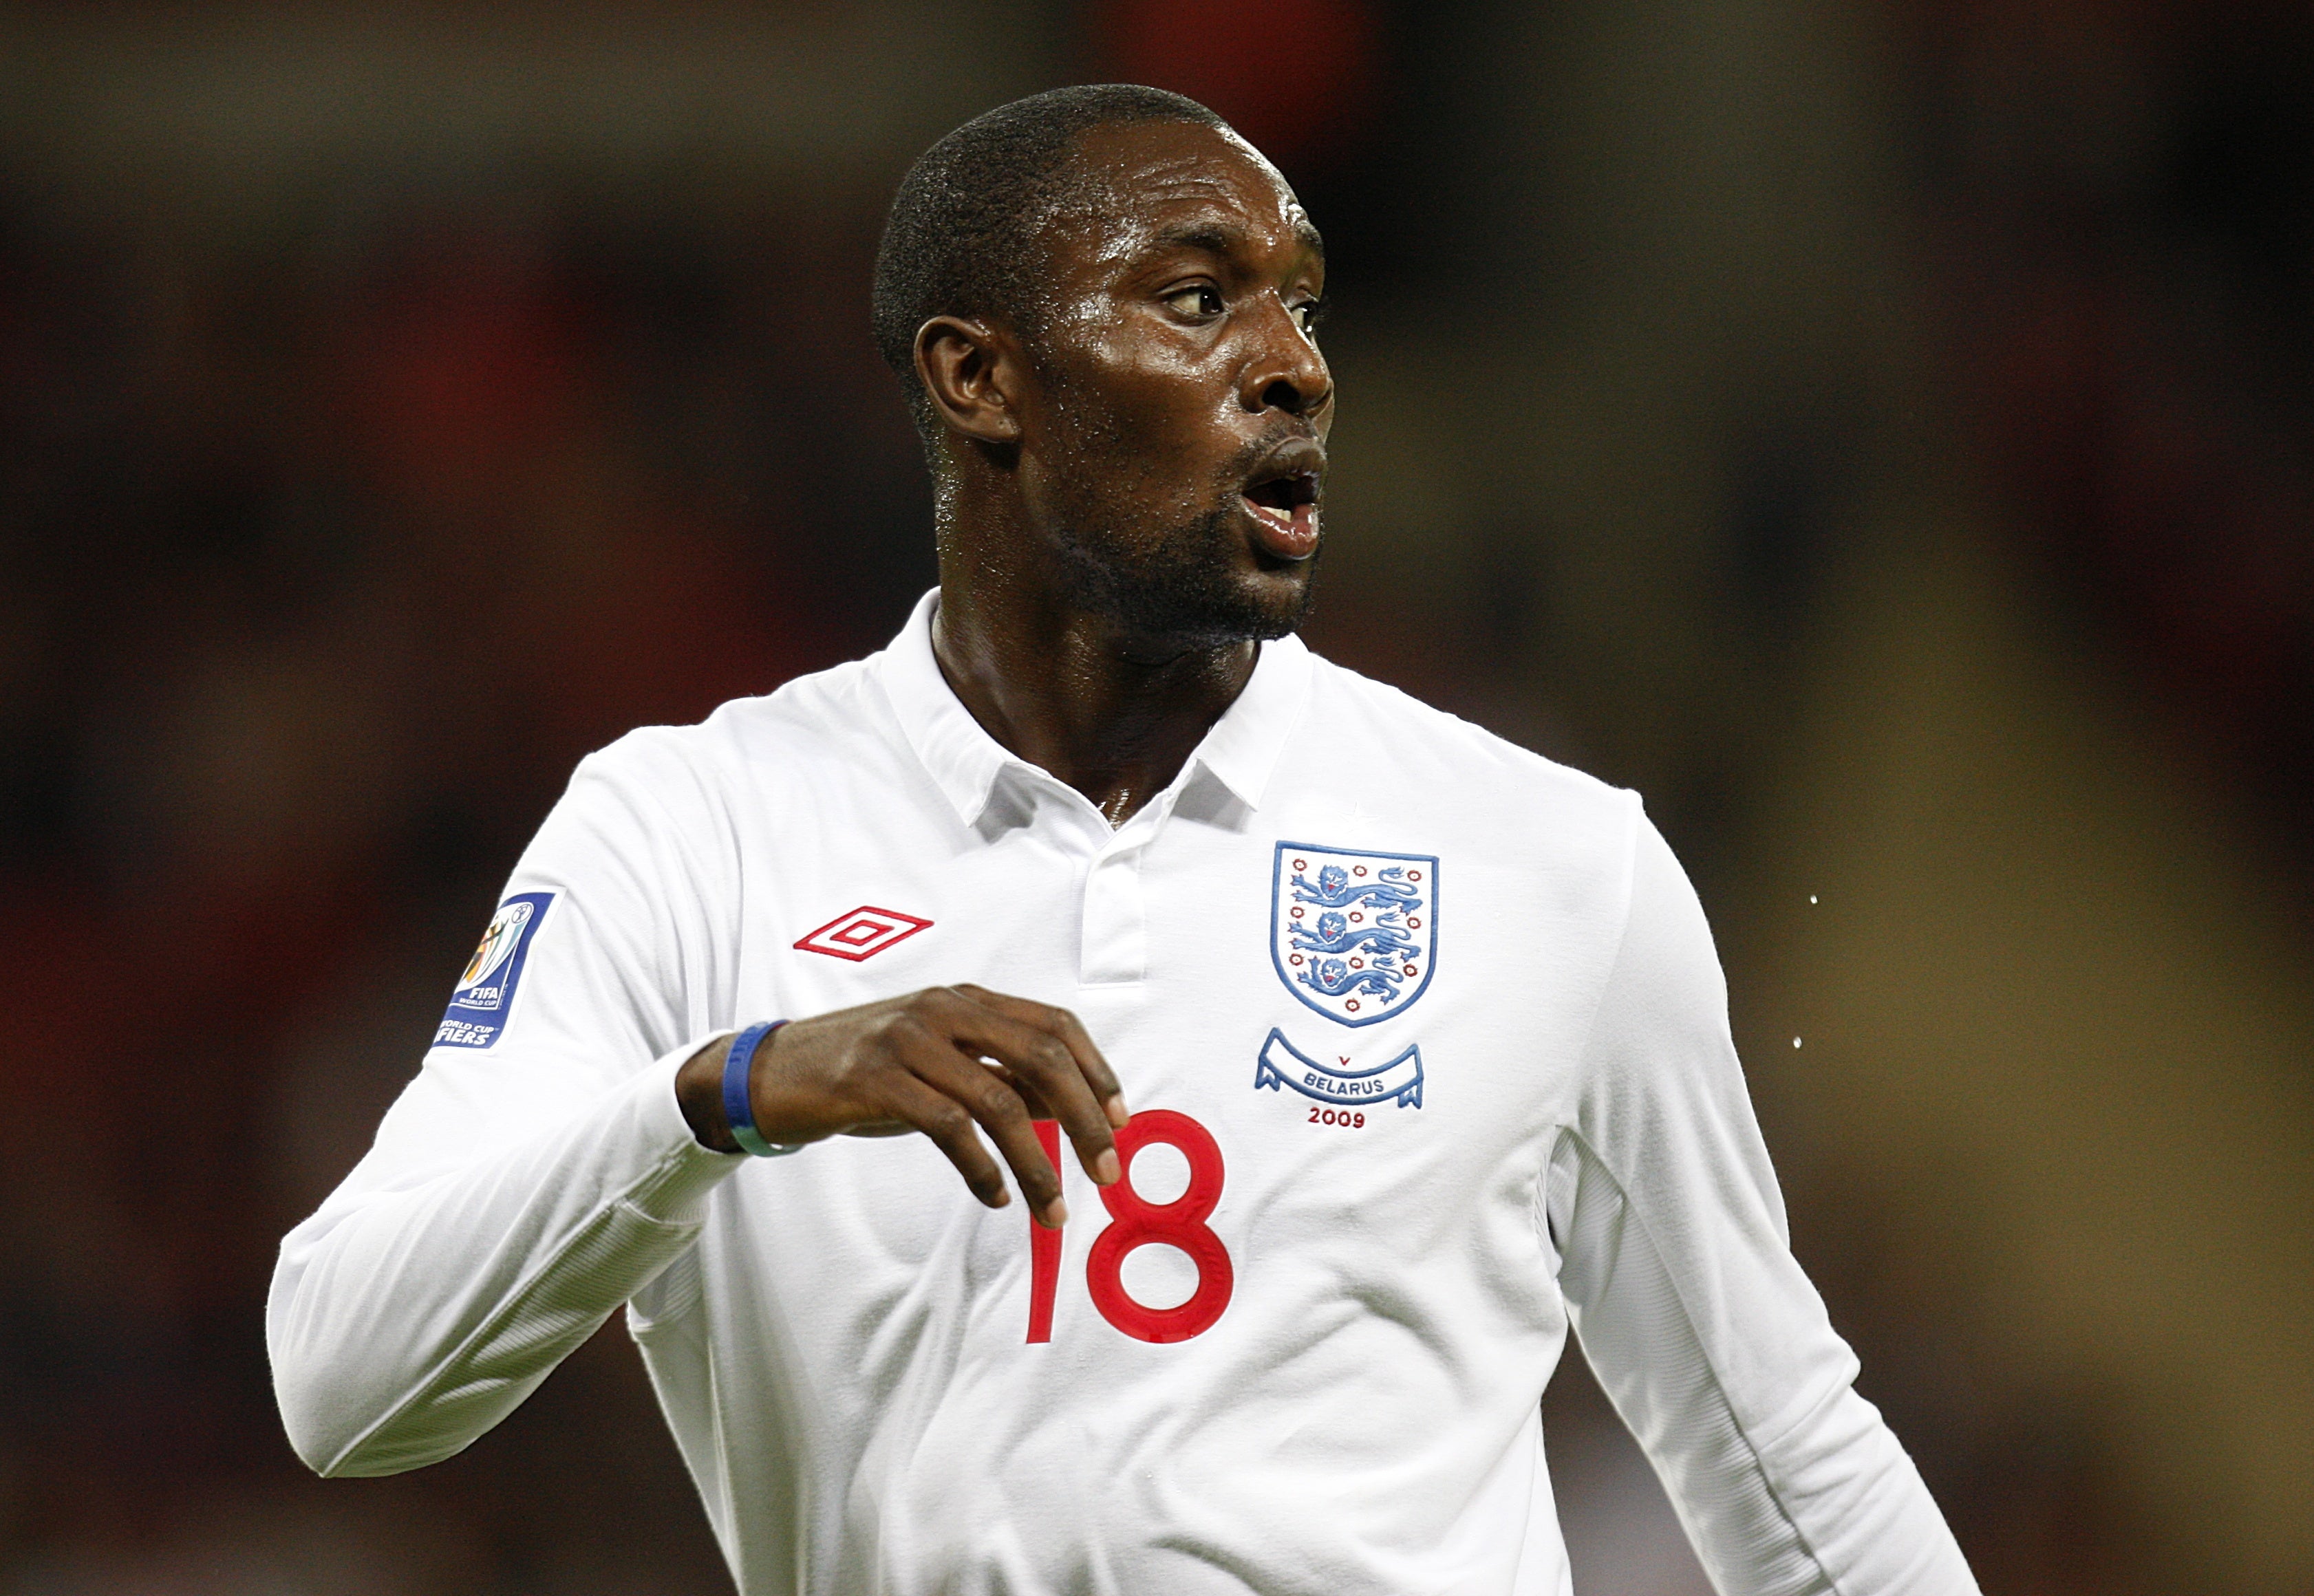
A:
x: 739, y: 1113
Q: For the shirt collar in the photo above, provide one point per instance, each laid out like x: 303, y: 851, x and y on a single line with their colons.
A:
x: 1240, y: 750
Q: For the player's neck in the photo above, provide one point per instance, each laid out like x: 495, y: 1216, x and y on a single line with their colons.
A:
x: 1070, y: 693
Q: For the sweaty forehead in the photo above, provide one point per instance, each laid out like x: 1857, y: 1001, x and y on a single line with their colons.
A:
x: 1149, y: 178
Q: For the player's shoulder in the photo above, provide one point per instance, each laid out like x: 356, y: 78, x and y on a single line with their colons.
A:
x: 1376, y: 767
x: 1386, y: 730
x: 800, y: 730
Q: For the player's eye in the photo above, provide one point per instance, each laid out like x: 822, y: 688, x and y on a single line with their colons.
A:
x: 1308, y: 314
x: 1198, y: 299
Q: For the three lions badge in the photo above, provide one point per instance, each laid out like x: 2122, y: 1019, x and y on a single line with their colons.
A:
x: 1353, y: 933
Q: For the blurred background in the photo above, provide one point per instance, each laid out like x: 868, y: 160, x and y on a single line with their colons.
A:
x: 1879, y: 432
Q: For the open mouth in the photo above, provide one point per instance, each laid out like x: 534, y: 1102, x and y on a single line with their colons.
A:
x: 1285, y: 505
x: 1283, y: 494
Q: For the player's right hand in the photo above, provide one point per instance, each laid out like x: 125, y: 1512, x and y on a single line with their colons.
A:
x: 939, y: 1062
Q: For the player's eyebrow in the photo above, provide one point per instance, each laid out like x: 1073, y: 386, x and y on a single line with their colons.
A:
x: 1222, y: 238
x: 1214, y: 238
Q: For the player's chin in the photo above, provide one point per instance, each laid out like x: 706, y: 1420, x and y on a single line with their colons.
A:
x: 1276, y: 594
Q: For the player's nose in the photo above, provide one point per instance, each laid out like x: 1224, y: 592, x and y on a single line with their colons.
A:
x: 1286, y: 371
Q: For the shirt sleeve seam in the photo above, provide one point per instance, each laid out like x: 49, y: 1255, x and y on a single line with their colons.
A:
x: 1622, y: 929
x: 668, y: 959
x: 1637, y: 1215
x: 680, y: 842
x: 1541, y: 1210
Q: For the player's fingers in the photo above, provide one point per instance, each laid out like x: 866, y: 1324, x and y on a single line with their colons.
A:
x: 1095, y: 1066
x: 1001, y: 1113
x: 1092, y: 1064
x: 1042, y: 1061
x: 949, y: 1127
x: 1033, y: 1099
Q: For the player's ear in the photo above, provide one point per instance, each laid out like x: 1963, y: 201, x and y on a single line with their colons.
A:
x: 973, y: 373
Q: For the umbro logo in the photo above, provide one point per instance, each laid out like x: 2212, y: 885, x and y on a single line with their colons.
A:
x: 862, y: 933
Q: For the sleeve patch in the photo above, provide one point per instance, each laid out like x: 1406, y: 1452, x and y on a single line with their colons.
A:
x: 485, y: 995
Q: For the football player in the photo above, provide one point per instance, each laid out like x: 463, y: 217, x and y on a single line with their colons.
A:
x: 1383, y: 1053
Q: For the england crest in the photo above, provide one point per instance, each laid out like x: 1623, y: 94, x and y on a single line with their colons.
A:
x: 1354, y: 934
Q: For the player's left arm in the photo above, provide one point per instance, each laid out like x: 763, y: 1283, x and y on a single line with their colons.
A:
x: 1677, y: 1268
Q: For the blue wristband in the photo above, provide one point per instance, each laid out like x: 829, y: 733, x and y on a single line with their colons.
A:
x: 739, y: 1113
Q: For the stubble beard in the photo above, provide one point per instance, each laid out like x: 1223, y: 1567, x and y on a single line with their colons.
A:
x: 1180, y: 592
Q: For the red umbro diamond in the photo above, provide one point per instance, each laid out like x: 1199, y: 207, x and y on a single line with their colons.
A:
x: 862, y: 933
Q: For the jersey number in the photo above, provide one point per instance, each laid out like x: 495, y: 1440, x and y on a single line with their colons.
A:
x: 1136, y: 1223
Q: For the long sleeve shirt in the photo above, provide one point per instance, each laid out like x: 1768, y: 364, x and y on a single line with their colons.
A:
x: 1427, y: 1047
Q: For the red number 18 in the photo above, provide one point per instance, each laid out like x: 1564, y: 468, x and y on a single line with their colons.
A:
x: 1136, y: 1223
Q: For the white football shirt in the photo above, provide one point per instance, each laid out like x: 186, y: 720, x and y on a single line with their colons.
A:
x: 1428, y: 1049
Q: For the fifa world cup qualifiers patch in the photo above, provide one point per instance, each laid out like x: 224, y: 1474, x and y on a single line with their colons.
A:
x: 479, y: 1008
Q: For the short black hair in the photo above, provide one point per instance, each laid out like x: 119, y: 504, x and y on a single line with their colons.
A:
x: 962, y: 237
